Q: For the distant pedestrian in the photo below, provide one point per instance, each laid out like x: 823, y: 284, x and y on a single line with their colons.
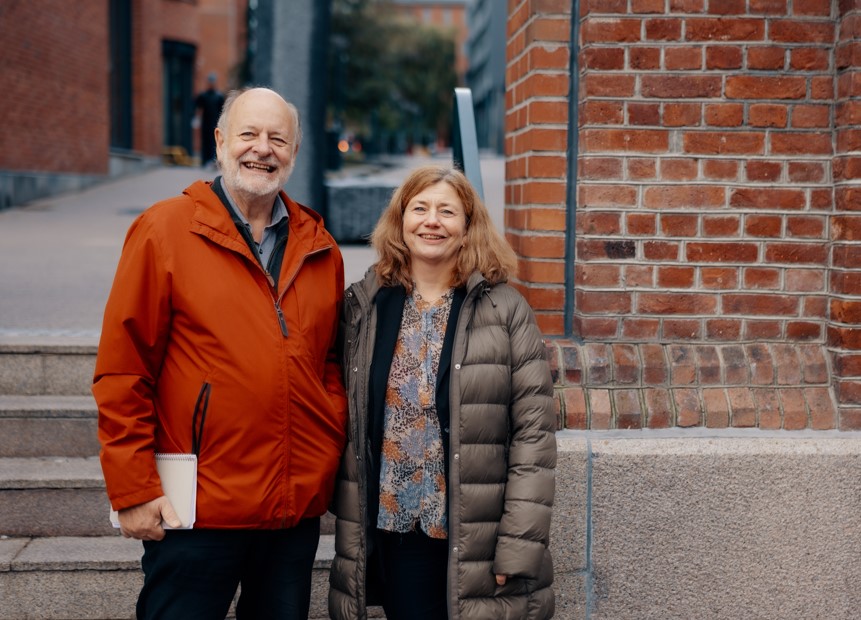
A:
x: 209, y: 103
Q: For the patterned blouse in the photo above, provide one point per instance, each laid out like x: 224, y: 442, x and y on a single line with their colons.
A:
x: 412, y: 465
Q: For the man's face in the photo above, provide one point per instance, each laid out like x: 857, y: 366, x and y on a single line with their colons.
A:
x: 258, y: 147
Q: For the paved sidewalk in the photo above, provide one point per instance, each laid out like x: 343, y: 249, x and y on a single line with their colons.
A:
x: 58, y: 255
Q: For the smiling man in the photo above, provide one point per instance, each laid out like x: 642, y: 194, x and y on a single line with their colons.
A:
x: 219, y: 340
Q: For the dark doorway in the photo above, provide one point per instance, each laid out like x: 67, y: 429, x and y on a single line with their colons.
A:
x: 120, y: 67
x: 178, y: 94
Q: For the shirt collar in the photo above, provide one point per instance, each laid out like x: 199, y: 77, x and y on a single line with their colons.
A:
x: 279, y: 209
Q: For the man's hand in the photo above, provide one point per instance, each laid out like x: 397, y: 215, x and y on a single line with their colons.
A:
x: 501, y: 579
x: 143, y: 521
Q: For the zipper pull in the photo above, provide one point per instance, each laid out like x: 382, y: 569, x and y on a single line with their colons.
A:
x: 281, y: 321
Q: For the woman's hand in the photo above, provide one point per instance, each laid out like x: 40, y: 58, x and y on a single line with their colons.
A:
x: 501, y: 579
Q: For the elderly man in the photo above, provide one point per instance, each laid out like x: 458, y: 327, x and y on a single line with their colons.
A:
x: 219, y: 340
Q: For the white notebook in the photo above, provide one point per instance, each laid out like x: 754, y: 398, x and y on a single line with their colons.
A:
x: 178, y: 473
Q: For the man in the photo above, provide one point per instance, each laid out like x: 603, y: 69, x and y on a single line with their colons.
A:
x: 223, y: 317
x: 209, y: 102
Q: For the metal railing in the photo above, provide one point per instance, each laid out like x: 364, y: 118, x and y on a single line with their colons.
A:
x: 464, y: 142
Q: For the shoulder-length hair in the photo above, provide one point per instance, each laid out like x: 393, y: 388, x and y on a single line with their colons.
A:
x: 484, y: 249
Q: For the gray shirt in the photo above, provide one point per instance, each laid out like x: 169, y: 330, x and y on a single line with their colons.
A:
x: 267, y: 244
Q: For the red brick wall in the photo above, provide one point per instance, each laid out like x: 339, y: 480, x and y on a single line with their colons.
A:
x: 54, y: 74
x: 56, y: 102
x: 222, y: 41
x: 844, y: 330
x: 705, y: 188
x: 706, y: 220
x: 536, y: 120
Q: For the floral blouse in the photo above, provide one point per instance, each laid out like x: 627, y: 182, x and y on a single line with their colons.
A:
x: 412, y: 465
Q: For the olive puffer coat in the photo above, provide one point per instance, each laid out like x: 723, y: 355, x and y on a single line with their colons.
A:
x: 502, y: 459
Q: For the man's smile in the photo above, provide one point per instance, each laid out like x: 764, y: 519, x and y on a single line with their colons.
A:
x: 253, y: 165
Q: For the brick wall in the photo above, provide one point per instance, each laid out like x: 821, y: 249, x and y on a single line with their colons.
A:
x: 55, y: 89
x: 844, y: 329
x: 706, y: 220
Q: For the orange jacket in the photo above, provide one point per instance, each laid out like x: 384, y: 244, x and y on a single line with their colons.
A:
x: 190, y: 305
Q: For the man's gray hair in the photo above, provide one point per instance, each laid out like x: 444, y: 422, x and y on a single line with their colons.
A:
x: 233, y: 95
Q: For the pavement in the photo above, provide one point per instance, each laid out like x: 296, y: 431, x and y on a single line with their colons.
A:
x: 58, y: 255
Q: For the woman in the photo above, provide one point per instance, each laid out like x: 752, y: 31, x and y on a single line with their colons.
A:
x: 445, y: 489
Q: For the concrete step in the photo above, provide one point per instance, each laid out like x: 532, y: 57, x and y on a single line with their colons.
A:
x: 96, y: 577
x: 53, y: 496
x: 48, y: 426
x: 54, y: 367
x: 61, y: 496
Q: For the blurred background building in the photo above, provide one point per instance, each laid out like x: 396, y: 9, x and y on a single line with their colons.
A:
x: 94, y: 90
x: 97, y: 90
x: 445, y: 15
x: 485, y: 76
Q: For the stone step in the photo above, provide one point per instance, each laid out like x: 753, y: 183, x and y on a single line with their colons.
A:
x: 48, y: 426
x: 61, y: 496
x: 53, y: 496
x: 96, y: 577
x: 54, y: 367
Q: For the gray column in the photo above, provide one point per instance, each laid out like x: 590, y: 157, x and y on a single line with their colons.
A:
x: 290, y: 57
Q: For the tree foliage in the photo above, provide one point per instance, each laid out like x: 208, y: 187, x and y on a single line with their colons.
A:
x: 390, y: 73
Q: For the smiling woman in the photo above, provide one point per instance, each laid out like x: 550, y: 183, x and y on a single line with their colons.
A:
x: 451, y: 415
x: 434, y: 228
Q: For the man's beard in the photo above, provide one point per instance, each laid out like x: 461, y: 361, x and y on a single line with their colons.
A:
x: 257, y: 186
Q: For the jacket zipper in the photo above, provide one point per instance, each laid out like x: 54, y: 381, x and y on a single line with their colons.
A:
x: 282, y: 322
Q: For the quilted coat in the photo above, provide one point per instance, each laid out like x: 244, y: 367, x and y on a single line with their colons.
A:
x: 501, y: 460
x: 191, y: 307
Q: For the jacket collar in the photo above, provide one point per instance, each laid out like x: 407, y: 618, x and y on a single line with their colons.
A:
x: 370, y: 285
x: 212, y: 220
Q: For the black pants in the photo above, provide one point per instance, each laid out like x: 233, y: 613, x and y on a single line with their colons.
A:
x: 414, y: 575
x: 193, y: 574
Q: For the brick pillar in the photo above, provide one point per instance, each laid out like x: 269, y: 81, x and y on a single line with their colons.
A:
x: 844, y: 330
x: 704, y: 204
x: 536, y: 125
x: 147, y: 79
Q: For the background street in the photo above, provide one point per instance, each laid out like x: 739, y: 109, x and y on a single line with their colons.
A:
x: 58, y: 255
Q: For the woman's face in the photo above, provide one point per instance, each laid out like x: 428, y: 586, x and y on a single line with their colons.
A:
x: 434, y: 226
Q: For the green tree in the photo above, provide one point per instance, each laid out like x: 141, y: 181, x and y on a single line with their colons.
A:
x: 390, y: 74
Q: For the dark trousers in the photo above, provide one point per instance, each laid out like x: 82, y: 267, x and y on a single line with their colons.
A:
x: 414, y: 570
x: 193, y: 574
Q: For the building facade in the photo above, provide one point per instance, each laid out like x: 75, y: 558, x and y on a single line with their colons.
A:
x: 683, y: 189
x: 97, y: 88
x: 485, y: 75
x: 444, y: 14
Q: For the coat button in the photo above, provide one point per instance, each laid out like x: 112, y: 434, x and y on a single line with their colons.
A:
x: 454, y: 549
x: 456, y: 457
x: 457, y: 366
x: 355, y: 369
